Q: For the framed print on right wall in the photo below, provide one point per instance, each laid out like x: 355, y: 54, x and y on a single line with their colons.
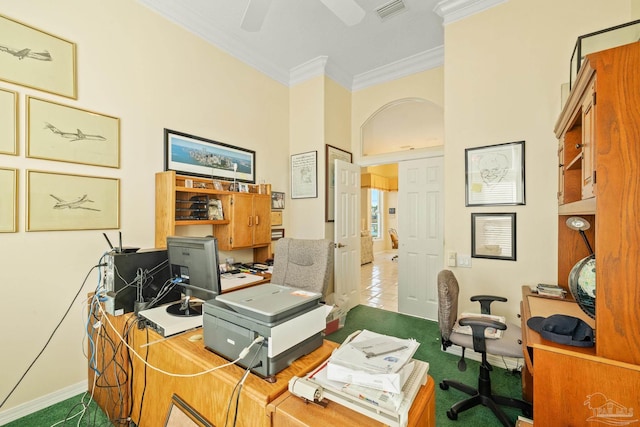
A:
x: 493, y: 235
x: 494, y: 175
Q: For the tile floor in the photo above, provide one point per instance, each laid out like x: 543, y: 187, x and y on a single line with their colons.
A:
x: 379, y: 282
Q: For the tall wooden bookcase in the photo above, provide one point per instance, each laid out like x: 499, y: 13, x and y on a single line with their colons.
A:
x: 599, y: 179
x: 599, y: 134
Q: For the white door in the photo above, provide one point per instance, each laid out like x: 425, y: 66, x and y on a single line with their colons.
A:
x: 420, y: 235
x: 347, y: 233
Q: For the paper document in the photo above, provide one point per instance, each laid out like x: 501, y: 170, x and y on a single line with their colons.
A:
x: 373, y: 360
x: 395, y: 353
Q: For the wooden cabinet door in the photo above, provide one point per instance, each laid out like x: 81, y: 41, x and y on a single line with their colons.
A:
x: 242, y: 221
x: 261, y: 219
x: 588, y: 142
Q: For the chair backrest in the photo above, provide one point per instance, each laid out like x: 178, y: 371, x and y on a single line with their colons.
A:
x: 302, y: 263
x: 448, y: 291
x: 394, y: 238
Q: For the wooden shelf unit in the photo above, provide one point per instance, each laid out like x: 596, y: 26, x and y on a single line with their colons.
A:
x: 606, y: 97
x: 241, y: 219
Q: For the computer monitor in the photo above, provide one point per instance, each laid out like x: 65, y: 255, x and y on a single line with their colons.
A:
x: 193, y: 263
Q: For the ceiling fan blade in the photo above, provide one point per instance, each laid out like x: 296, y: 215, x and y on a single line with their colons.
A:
x: 254, y: 15
x: 348, y: 11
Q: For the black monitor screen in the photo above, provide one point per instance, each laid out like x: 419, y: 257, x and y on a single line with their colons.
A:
x: 193, y: 262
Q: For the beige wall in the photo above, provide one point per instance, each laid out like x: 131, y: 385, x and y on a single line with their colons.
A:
x: 337, y: 133
x: 134, y: 65
x: 504, y: 68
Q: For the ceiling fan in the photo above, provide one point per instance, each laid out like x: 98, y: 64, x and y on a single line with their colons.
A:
x: 348, y: 11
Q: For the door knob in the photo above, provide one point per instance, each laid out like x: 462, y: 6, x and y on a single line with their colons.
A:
x: 340, y: 245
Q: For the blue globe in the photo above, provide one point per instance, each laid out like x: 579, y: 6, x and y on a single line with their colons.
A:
x: 582, y: 284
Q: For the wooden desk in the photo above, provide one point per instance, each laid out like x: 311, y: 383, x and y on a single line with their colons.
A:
x: 147, y: 398
x: 291, y: 411
x: 572, y: 385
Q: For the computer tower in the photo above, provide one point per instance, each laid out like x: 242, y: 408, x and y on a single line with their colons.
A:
x: 123, y: 288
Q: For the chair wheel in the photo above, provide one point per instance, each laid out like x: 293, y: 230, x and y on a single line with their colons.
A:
x: 452, y: 415
x: 444, y: 386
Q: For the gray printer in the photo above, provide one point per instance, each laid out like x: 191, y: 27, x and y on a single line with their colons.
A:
x: 290, y: 320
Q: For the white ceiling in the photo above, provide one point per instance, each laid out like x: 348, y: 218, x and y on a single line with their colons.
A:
x: 299, y: 39
x: 299, y: 36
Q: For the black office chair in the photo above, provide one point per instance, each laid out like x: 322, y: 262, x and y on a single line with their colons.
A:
x: 509, y: 345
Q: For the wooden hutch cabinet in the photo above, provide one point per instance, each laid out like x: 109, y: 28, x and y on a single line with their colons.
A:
x: 250, y: 225
x: 246, y: 216
x: 599, y: 179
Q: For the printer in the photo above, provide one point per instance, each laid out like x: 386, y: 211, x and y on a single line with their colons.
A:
x: 291, y: 321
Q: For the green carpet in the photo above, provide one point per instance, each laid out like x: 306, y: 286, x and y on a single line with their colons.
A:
x: 441, y: 365
x: 56, y: 415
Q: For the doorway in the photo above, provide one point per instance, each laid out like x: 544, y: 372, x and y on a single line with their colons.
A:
x: 403, y: 131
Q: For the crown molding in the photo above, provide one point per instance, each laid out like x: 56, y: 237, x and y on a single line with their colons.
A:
x: 308, y: 70
x: 422, y: 61
x: 454, y: 10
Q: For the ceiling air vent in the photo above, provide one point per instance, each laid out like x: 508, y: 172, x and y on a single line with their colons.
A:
x: 390, y: 9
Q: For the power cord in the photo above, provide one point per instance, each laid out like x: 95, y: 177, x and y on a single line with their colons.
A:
x: 172, y: 374
x: 64, y: 316
x: 240, y: 383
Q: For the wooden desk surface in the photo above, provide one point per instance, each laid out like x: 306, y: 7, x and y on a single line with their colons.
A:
x: 291, y: 411
x: 533, y: 305
x: 211, y: 394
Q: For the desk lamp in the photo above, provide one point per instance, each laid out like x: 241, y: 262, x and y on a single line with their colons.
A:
x: 580, y: 224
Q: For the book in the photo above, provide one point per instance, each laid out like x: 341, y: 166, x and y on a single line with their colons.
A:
x: 550, y: 290
x: 215, y: 209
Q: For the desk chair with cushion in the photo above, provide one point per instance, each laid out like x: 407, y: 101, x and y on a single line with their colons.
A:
x: 509, y: 345
x: 304, y: 264
x: 394, y: 241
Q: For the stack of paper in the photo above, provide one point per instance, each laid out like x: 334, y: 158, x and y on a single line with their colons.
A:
x: 373, y: 360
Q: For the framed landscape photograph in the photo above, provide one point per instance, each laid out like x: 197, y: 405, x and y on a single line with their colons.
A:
x: 68, y: 134
x: 192, y: 155
x: 304, y: 175
x: 34, y: 58
x: 494, y: 175
x: 8, y: 122
x: 493, y: 235
x: 332, y: 153
x: 57, y: 201
x: 8, y: 200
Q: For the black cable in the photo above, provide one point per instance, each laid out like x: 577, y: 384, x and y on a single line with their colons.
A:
x: 144, y: 387
x: 107, y: 367
x: 50, y: 337
x: 238, y: 386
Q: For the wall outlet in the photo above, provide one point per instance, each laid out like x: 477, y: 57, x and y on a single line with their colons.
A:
x: 464, y: 260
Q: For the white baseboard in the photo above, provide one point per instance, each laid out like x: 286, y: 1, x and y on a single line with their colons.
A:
x: 35, y: 405
x: 497, y: 361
